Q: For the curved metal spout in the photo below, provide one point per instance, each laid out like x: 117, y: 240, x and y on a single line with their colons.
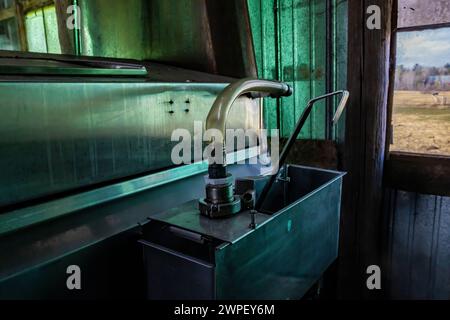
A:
x: 217, y: 117
x: 220, y: 201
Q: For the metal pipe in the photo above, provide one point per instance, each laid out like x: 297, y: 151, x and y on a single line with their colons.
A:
x: 301, y: 122
x: 217, y: 117
x: 218, y: 114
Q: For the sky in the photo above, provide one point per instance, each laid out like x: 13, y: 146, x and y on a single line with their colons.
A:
x: 430, y: 48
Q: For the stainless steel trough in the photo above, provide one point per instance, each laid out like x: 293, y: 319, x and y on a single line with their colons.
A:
x: 188, y: 256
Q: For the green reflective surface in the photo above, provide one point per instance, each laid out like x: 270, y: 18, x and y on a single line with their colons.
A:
x: 288, y: 251
x: 290, y: 39
x: 9, y: 66
x: 57, y: 137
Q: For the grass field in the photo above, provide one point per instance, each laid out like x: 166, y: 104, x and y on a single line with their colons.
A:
x: 421, y: 124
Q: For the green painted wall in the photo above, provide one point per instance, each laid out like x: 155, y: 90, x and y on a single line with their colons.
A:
x: 290, y: 39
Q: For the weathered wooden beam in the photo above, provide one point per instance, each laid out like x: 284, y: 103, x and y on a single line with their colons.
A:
x: 66, y: 36
x: 314, y: 153
x: 20, y: 16
x: 364, y: 150
x: 8, y: 13
x: 426, y: 174
x: 391, y: 89
x: 29, y: 5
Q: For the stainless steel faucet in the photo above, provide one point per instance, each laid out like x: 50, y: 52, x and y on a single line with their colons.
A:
x: 220, y: 200
x: 217, y: 117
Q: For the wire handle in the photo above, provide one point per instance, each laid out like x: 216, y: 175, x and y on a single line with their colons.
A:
x: 299, y: 126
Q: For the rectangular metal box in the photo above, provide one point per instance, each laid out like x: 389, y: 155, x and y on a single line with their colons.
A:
x: 188, y: 256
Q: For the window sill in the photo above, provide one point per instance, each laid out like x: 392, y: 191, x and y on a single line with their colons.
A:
x: 421, y: 173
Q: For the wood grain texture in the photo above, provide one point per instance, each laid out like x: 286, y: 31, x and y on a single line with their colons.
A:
x: 364, y: 152
x: 20, y: 18
x: 418, y: 251
x: 8, y: 13
x: 314, y: 153
x: 66, y: 36
x: 418, y: 173
x: 290, y: 39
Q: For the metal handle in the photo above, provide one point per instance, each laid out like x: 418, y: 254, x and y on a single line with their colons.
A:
x: 342, y: 104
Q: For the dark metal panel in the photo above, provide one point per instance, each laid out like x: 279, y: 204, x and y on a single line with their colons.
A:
x: 187, y: 216
x: 193, y: 279
x: 110, y: 269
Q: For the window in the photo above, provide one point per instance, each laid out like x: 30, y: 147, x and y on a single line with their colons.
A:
x: 31, y: 25
x: 421, y: 101
x: 41, y: 27
x: 42, y: 30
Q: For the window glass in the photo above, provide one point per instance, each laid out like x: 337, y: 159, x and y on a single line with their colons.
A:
x: 421, y: 107
x: 42, y: 30
x: 9, y: 39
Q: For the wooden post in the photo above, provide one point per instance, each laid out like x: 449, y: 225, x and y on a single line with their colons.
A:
x: 22, y: 32
x: 364, y: 150
x: 66, y: 36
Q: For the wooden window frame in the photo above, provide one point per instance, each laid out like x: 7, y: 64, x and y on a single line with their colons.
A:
x: 17, y: 10
x: 93, y: 66
x: 410, y: 171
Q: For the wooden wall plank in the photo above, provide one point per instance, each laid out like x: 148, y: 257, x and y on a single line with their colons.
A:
x: 290, y: 45
x: 302, y: 61
x: 318, y: 66
x: 403, y: 205
x: 340, y: 43
x: 364, y: 150
x: 441, y: 254
x: 263, y: 22
x: 419, y: 248
x: 286, y: 58
x: 418, y: 173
